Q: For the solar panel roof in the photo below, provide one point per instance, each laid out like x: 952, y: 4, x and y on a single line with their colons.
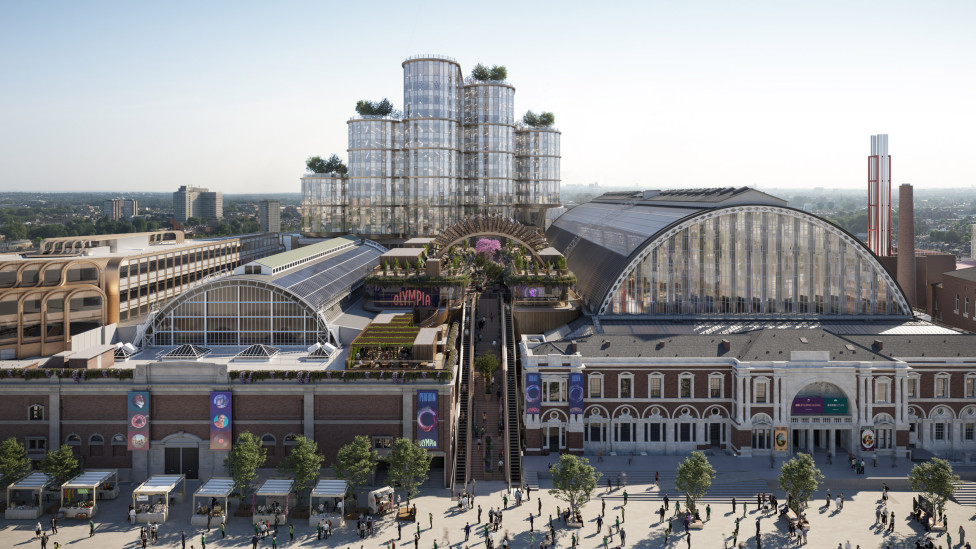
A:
x: 320, y: 282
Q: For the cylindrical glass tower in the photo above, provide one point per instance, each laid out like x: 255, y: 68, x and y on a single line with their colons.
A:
x: 324, y: 204
x: 537, y: 167
x: 431, y: 143
x: 373, y: 194
x: 489, y: 147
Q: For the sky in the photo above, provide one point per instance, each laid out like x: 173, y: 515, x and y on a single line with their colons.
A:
x: 234, y: 96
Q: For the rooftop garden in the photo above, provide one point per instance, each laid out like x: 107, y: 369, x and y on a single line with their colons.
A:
x: 315, y: 164
x: 391, y: 342
x: 375, y: 108
x: 541, y: 120
x: 481, y: 73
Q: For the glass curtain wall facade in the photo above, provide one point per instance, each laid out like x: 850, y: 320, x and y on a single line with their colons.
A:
x: 759, y: 261
x: 452, y: 152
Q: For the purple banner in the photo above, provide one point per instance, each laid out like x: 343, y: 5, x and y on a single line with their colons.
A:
x: 220, y: 419
x: 576, y: 393
x: 533, y: 394
x: 138, y: 429
x: 427, y: 413
x: 806, y: 406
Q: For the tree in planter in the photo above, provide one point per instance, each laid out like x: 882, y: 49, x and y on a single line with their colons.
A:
x: 486, y: 365
x: 246, y: 456
x: 800, y: 478
x: 573, y: 480
x: 409, y: 465
x: 934, y: 479
x: 14, y: 463
x: 303, y: 463
x: 694, y: 478
x: 61, y: 465
x: 355, y: 462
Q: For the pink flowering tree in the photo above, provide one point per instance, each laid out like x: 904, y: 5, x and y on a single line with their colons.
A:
x: 488, y: 247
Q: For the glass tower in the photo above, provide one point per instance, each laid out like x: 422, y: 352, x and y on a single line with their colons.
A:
x: 455, y: 150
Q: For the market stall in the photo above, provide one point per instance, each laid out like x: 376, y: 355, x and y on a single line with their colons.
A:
x: 25, y: 497
x: 151, y: 499
x: 380, y: 501
x: 270, y: 502
x: 318, y: 503
x: 210, y: 502
x: 79, y: 495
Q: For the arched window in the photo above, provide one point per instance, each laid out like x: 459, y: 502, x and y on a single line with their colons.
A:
x: 72, y: 440
x: 270, y: 442
x: 119, y: 446
x: 35, y: 412
x: 96, y: 445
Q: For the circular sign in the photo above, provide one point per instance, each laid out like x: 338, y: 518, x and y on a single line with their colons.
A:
x: 427, y: 419
x: 221, y: 401
x: 533, y: 393
x: 575, y: 393
x: 139, y: 421
x: 138, y: 441
x: 867, y: 439
x: 781, y: 440
x: 221, y: 421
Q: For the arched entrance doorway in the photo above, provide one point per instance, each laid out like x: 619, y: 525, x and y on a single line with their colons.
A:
x: 821, y: 419
x: 181, y: 455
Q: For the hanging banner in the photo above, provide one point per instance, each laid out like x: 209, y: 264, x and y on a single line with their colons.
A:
x: 220, y: 419
x: 576, y: 393
x: 427, y: 414
x: 533, y: 393
x: 867, y: 439
x: 138, y: 429
x: 781, y: 441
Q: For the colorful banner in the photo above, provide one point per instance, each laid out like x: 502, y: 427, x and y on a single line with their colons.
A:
x: 427, y: 413
x: 867, y: 439
x: 533, y: 394
x: 781, y: 440
x: 138, y: 430
x: 220, y: 419
x: 835, y: 406
x: 576, y: 393
x: 805, y: 406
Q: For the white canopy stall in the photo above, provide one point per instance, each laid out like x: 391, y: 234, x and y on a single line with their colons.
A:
x: 25, y: 498
x: 335, y: 489
x: 151, y: 498
x: 79, y: 495
x: 209, y: 509
x: 275, y: 492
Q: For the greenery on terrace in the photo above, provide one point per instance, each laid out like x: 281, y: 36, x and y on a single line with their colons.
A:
x: 315, y: 164
x: 375, y: 108
x: 481, y: 73
x: 541, y: 120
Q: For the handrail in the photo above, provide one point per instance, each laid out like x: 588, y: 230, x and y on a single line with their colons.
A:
x: 508, y: 438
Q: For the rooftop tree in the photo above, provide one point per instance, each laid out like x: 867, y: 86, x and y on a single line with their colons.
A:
x: 541, y: 120
x: 374, y: 108
x: 481, y: 73
x: 315, y: 164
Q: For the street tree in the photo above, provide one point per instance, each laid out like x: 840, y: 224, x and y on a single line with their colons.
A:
x: 800, y: 478
x: 303, y: 463
x: 934, y: 479
x: 355, y: 462
x: 694, y: 478
x: 14, y: 463
x: 246, y: 456
x: 61, y: 465
x: 573, y: 480
x: 409, y: 465
x: 486, y: 364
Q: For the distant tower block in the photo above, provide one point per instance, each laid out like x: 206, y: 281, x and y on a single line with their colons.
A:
x: 879, y: 196
x: 906, y: 242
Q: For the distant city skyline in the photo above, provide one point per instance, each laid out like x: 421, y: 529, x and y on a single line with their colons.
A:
x: 235, y: 96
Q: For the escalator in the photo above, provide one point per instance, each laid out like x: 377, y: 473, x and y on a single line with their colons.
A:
x: 513, y: 400
x: 464, y: 398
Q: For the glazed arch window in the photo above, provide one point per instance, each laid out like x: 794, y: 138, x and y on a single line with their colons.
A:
x: 35, y: 412
x: 269, y: 442
x: 96, y: 445
x: 72, y: 440
x: 118, y: 445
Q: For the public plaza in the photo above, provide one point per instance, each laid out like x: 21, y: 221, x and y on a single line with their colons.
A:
x: 741, y: 478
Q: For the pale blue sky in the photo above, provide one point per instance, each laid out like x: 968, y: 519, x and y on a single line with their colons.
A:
x: 235, y: 95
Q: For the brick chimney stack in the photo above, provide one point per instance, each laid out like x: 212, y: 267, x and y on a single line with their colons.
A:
x: 906, y: 241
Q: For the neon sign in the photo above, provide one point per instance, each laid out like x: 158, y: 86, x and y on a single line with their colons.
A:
x: 415, y: 298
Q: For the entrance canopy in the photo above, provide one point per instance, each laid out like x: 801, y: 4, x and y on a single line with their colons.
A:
x: 275, y: 487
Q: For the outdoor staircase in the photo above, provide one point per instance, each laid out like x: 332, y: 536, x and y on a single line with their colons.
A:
x: 640, y: 487
x: 464, y: 398
x: 512, y: 401
x: 965, y: 493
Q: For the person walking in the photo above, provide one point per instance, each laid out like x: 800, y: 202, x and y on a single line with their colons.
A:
x: 962, y: 535
x: 430, y: 517
x: 223, y: 529
x: 603, y: 507
x: 54, y: 524
x: 274, y: 541
x: 623, y: 515
x: 599, y: 524
x: 733, y: 506
x: 400, y: 530
x: 254, y: 541
x: 708, y: 512
x: 203, y: 540
x: 666, y: 500
x: 91, y: 528
x: 623, y: 537
x: 467, y: 530
x: 291, y: 532
x: 625, y: 497
x: 183, y: 538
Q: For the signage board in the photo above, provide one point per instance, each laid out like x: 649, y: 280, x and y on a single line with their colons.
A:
x: 427, y: 419
x: 808, y: 406
x: 867, y: 439
x: 533, y: 394
x: 781, y: 440
x: 835, y: 406
x: 576, y: 393
x: 138, y: 425
x: 220, y: 420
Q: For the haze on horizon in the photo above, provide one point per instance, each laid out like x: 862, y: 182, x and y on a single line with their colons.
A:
x: 115, y: 96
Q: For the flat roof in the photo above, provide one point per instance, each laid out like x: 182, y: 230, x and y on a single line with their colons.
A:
x: 217, y: 487
x: 159, y: 484
x: 276, y: 487
x: 297, y: 254
x: 90, y: 352
x: 89, y: 479
x: 330, y: 488
x: 403, y: 252
x: 33, y: 481
x: 426, y: 336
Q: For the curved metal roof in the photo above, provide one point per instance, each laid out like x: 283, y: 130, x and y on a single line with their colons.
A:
x: 320, y: 282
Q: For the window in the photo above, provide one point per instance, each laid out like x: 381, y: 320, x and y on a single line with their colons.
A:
x: 554, y: 390
x: 965, y: 311
x: 970, y: 386
x: 684, y: 432
x: 655, y: 386
x: 967, y: 431
x: 36, y: 446
x: 686, y: 385
x: 762, y: 392
x: 382, y: 443
x: 35, y: 412
x: 96, y: 445
x: 882, y: 391
x: 940, y: 431
x: 913, y: 386
x: 290, y: 440
x: 762, y: 437
x: 653, y: 432
x: 625, y: 386
x: 118, y: 445
x: 955, y: 308
x: 269, y: 442
x: 942, y: 386
x: 72, y: 440
x: 715, y: 386
x: 596, y: 386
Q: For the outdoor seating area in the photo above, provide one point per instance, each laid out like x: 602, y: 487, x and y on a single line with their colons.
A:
x: 393, y: 342
x: 80, y: 495
x: 25, y: 497
x: 151, y: 499
x: 210, y: 502
x: 274, y: 497
x: 319, y: 504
